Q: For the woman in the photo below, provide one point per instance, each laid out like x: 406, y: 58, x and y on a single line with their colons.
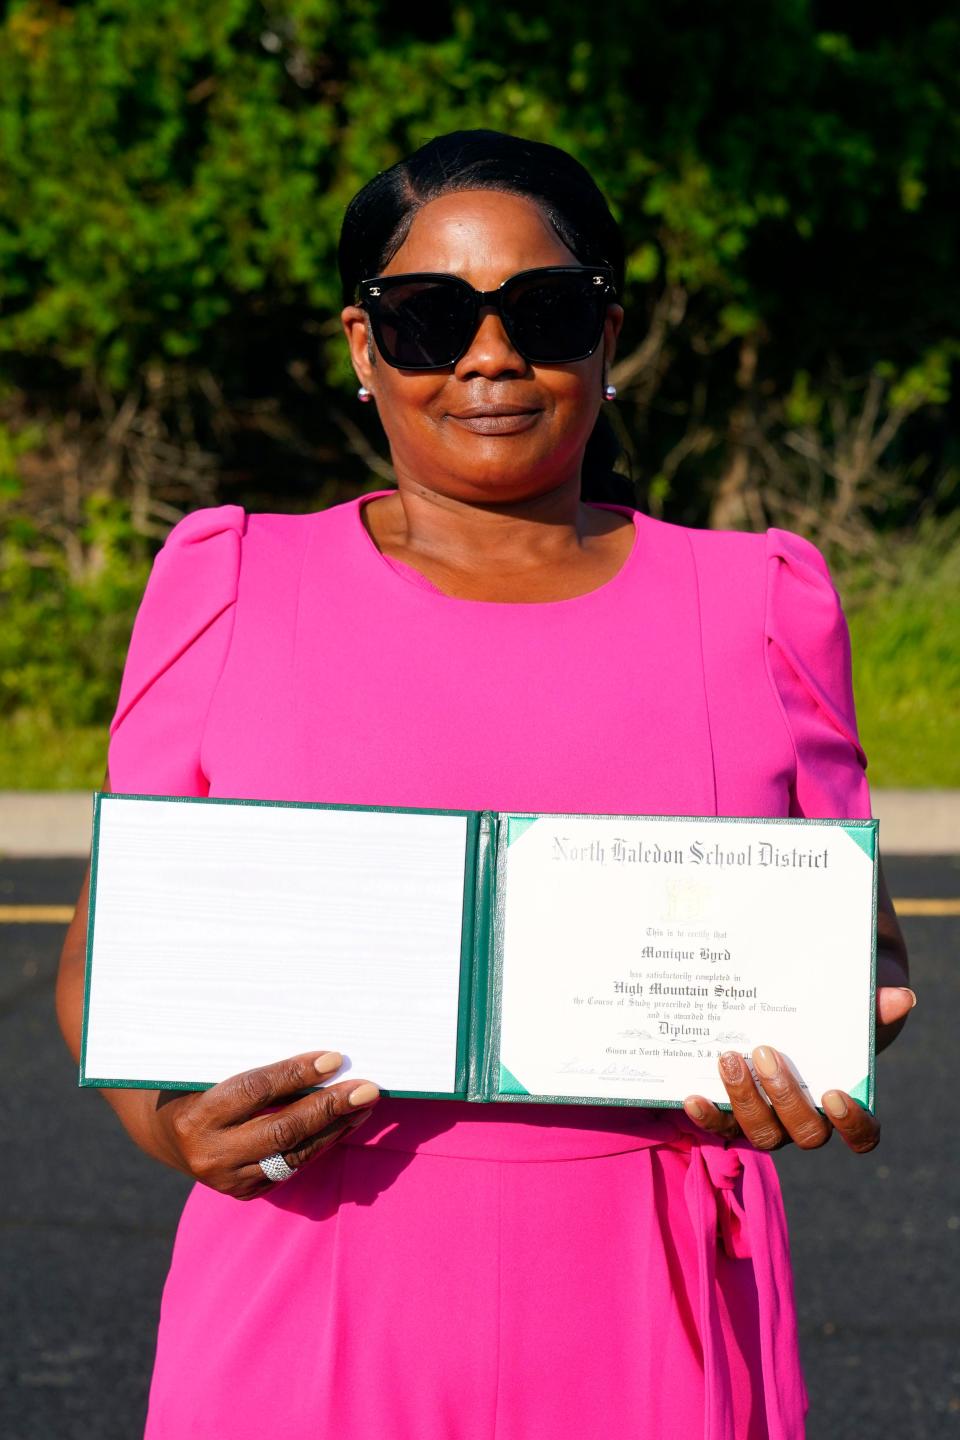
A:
x: 483, y: 637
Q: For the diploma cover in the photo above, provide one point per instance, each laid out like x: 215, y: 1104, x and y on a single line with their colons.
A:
x: 476, y: 955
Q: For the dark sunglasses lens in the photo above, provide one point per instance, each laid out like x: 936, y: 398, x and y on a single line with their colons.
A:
x: 556, y: 318
x: 423, y: 323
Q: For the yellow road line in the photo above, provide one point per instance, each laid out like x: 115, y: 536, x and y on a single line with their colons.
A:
x: 36, y: 914
x: 927, y: 907
x: 63, y: 914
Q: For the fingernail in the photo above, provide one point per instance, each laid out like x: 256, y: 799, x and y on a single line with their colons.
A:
x: 326, y: 1064
x: 767, y: 1062
x: 364, y: 1094
x: 834, y: 1104
x: 697, y: 1110
x: 731, y: 1067
x: 905, y: 990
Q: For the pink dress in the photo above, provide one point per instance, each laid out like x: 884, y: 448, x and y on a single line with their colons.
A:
x: 463, y: 1272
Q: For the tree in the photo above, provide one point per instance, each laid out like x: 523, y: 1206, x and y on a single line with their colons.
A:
x: 172, y: 178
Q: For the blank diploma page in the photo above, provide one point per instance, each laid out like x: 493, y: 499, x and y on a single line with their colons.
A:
x: 228, y: 935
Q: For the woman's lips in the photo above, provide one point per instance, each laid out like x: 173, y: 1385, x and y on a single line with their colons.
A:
x: 498, y: 422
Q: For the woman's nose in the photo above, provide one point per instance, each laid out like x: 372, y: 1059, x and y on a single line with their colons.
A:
x: 490, y: 352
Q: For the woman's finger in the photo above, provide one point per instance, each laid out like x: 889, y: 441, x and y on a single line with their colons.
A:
x: 218, y: 1133
x: 859, y: 1128
x: 249, y: 1180
x: 756, y: 1119
x: 315, y: 1144
x: 251, y: 1091
x: 286, y: 1130
x: 711, y: 1118
x: 893, y: 1003
x: 795, y: 1110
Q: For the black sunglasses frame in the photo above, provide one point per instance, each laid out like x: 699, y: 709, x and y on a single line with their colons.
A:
x: 370, y: 292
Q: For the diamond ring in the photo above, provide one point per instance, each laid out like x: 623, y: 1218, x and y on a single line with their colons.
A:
x: 276, y: 1168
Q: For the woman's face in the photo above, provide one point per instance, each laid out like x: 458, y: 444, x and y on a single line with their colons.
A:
x: 484, y: 237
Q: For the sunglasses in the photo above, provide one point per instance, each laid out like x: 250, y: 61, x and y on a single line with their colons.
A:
x: 552, y: 316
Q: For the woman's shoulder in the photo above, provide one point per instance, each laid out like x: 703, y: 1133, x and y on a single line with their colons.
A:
x: 211, y: 520
x: 738, y: 555
x: 774, y: 582
x: 195, y: 571
x: 250, y: 534
x: 768, y: 599
x: 723, y: 561
x: 208, y: 521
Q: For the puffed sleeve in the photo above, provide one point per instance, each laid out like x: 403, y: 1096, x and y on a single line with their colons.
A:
x: 178, y: 648
x: 808, y: 654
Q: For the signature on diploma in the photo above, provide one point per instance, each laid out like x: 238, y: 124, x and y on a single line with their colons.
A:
x: 616, y: 1070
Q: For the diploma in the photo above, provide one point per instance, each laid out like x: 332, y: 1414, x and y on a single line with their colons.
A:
x: 645, y: 948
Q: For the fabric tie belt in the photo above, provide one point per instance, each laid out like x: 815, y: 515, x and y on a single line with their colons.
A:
x: 751, y: 1226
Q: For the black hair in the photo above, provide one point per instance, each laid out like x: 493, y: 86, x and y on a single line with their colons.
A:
x: 379, y: 217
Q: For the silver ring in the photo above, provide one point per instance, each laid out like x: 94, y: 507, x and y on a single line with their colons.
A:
x: 276, y: 1168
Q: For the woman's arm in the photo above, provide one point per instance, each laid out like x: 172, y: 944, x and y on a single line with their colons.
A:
x: 218, y: 1136
x: 136, y: 1108
x: 893, y: 971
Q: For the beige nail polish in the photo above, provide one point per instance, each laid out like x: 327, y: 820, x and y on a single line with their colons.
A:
x: 766, y: 1062
x: 364, y: 1094
x: 326, y: 1064
x: 835, y: 1105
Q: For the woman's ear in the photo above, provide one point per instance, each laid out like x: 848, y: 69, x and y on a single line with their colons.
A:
x: 611, y: 331
x: 356, y: 327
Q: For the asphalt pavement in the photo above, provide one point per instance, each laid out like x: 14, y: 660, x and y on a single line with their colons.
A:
x: 87, y: 1222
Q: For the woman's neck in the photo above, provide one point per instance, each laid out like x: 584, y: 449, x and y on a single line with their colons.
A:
x: 549, y: 547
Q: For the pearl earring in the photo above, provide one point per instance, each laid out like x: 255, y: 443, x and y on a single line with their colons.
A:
x: 364, y: 395
x: 609, y: 392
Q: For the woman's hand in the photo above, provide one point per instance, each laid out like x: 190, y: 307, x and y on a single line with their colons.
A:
x: 218, y: 1136
x: 781, y: 1111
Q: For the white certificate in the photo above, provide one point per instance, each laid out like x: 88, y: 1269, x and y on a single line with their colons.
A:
x: 634, y: 951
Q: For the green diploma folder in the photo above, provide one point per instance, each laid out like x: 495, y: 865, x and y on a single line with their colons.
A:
x: 468, y: 955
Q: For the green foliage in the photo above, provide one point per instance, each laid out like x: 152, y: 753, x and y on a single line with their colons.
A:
x: 166, y: 170
x: 927, y: 382
x: 39, y: 754
x: 906, y: 649
x: 802, y: 406
x: 63, y: 639
x: 172, y: 178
